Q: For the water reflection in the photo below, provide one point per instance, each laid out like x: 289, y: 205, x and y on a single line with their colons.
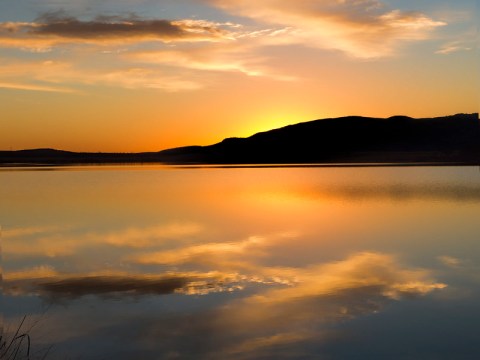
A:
x: 54, y: 241
x: 362, y: 270
x: 470, y: 193
x: 292, y: 305
x: 264, y: 263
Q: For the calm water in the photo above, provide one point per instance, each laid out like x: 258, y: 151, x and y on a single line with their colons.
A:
x: 250, y: 263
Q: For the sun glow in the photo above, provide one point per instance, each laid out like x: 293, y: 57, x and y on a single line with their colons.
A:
x: 147, y: 83
x: 274, y: 119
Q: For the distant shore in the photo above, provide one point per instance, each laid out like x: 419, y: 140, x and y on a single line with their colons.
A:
x: 235, y: 166
x: 346, y: 141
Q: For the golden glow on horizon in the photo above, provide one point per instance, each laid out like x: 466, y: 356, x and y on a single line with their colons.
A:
x: 137, y: 84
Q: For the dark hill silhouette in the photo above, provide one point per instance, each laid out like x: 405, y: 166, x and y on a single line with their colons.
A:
x: 354, y: 139
x: 349, y: 139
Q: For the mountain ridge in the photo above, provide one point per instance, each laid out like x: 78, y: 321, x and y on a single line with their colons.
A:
x: 453, y: 139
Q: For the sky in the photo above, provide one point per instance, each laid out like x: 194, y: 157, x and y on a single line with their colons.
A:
x: 146, y: 75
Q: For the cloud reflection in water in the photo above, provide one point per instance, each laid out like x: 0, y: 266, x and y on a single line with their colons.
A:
x: 445, y: 192
x: 296, y: 306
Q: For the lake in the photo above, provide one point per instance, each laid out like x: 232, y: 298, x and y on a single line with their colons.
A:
x: 154, y: 262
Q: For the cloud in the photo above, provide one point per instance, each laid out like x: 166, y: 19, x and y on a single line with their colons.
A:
x: 402, y: 192
x: 10, y: 233
x: 450, y: 261
x: 362, y: 284
x: 278, y: 316
x: 37, y: 272
x: 201, y: 59
x: 178, y: 55
x: 46, y: 282
x: 209, y: 252
x: 456, y: 46
x: 54, y: 29
x: 462, y: 41
x: 65, y: 76
x: 281, y: 318
x: 52, y: 285
x: 360, y: 28
x: 200, y: 46
x: 141, y: 237
x: 33, y: 87
x: 138, y: 77
x: 237, y: 256
x: 362, y: 270
x: 98, y: 285
x: 62, y: 76
x: 376, y: 272
x: 56, y: 241
x: 266, y: 344
x: 219, y: 267
x: 238, y: 56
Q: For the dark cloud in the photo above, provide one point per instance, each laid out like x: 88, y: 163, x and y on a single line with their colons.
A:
x: 97, y: 29
x: 104, y: 285
x: 56, y: 287
x: 108, y: 286
x: 61, y: 26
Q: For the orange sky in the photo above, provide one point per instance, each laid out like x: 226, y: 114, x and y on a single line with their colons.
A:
x: 148, y: 75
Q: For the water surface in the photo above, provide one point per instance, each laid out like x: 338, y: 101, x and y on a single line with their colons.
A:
x: 150, y: 262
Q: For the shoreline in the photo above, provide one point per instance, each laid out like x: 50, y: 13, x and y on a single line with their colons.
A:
x: 6, y: 166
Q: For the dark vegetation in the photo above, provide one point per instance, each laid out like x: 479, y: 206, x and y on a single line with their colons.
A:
x: 348, y: 140
x: 15, y: 347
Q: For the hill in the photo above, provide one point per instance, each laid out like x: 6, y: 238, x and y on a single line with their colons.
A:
x: 354, y: 139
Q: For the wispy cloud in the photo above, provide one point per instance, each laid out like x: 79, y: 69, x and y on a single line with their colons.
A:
x: 141, y: 237
x: 240, y: 256
x: 450, y: 261
x: 11, y: 233
x: 361, y: 28
x: 326, y: 293
x: 33, y: 87
x: 358, y: 271
x: 209, y: 252
x: 54, y: 241
x: 138, y: 77
x: 239, y: 56
x: 456, y: 46
x: 63, y: 76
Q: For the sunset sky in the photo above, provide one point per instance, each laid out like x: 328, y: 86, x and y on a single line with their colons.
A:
x: 145, y: 75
